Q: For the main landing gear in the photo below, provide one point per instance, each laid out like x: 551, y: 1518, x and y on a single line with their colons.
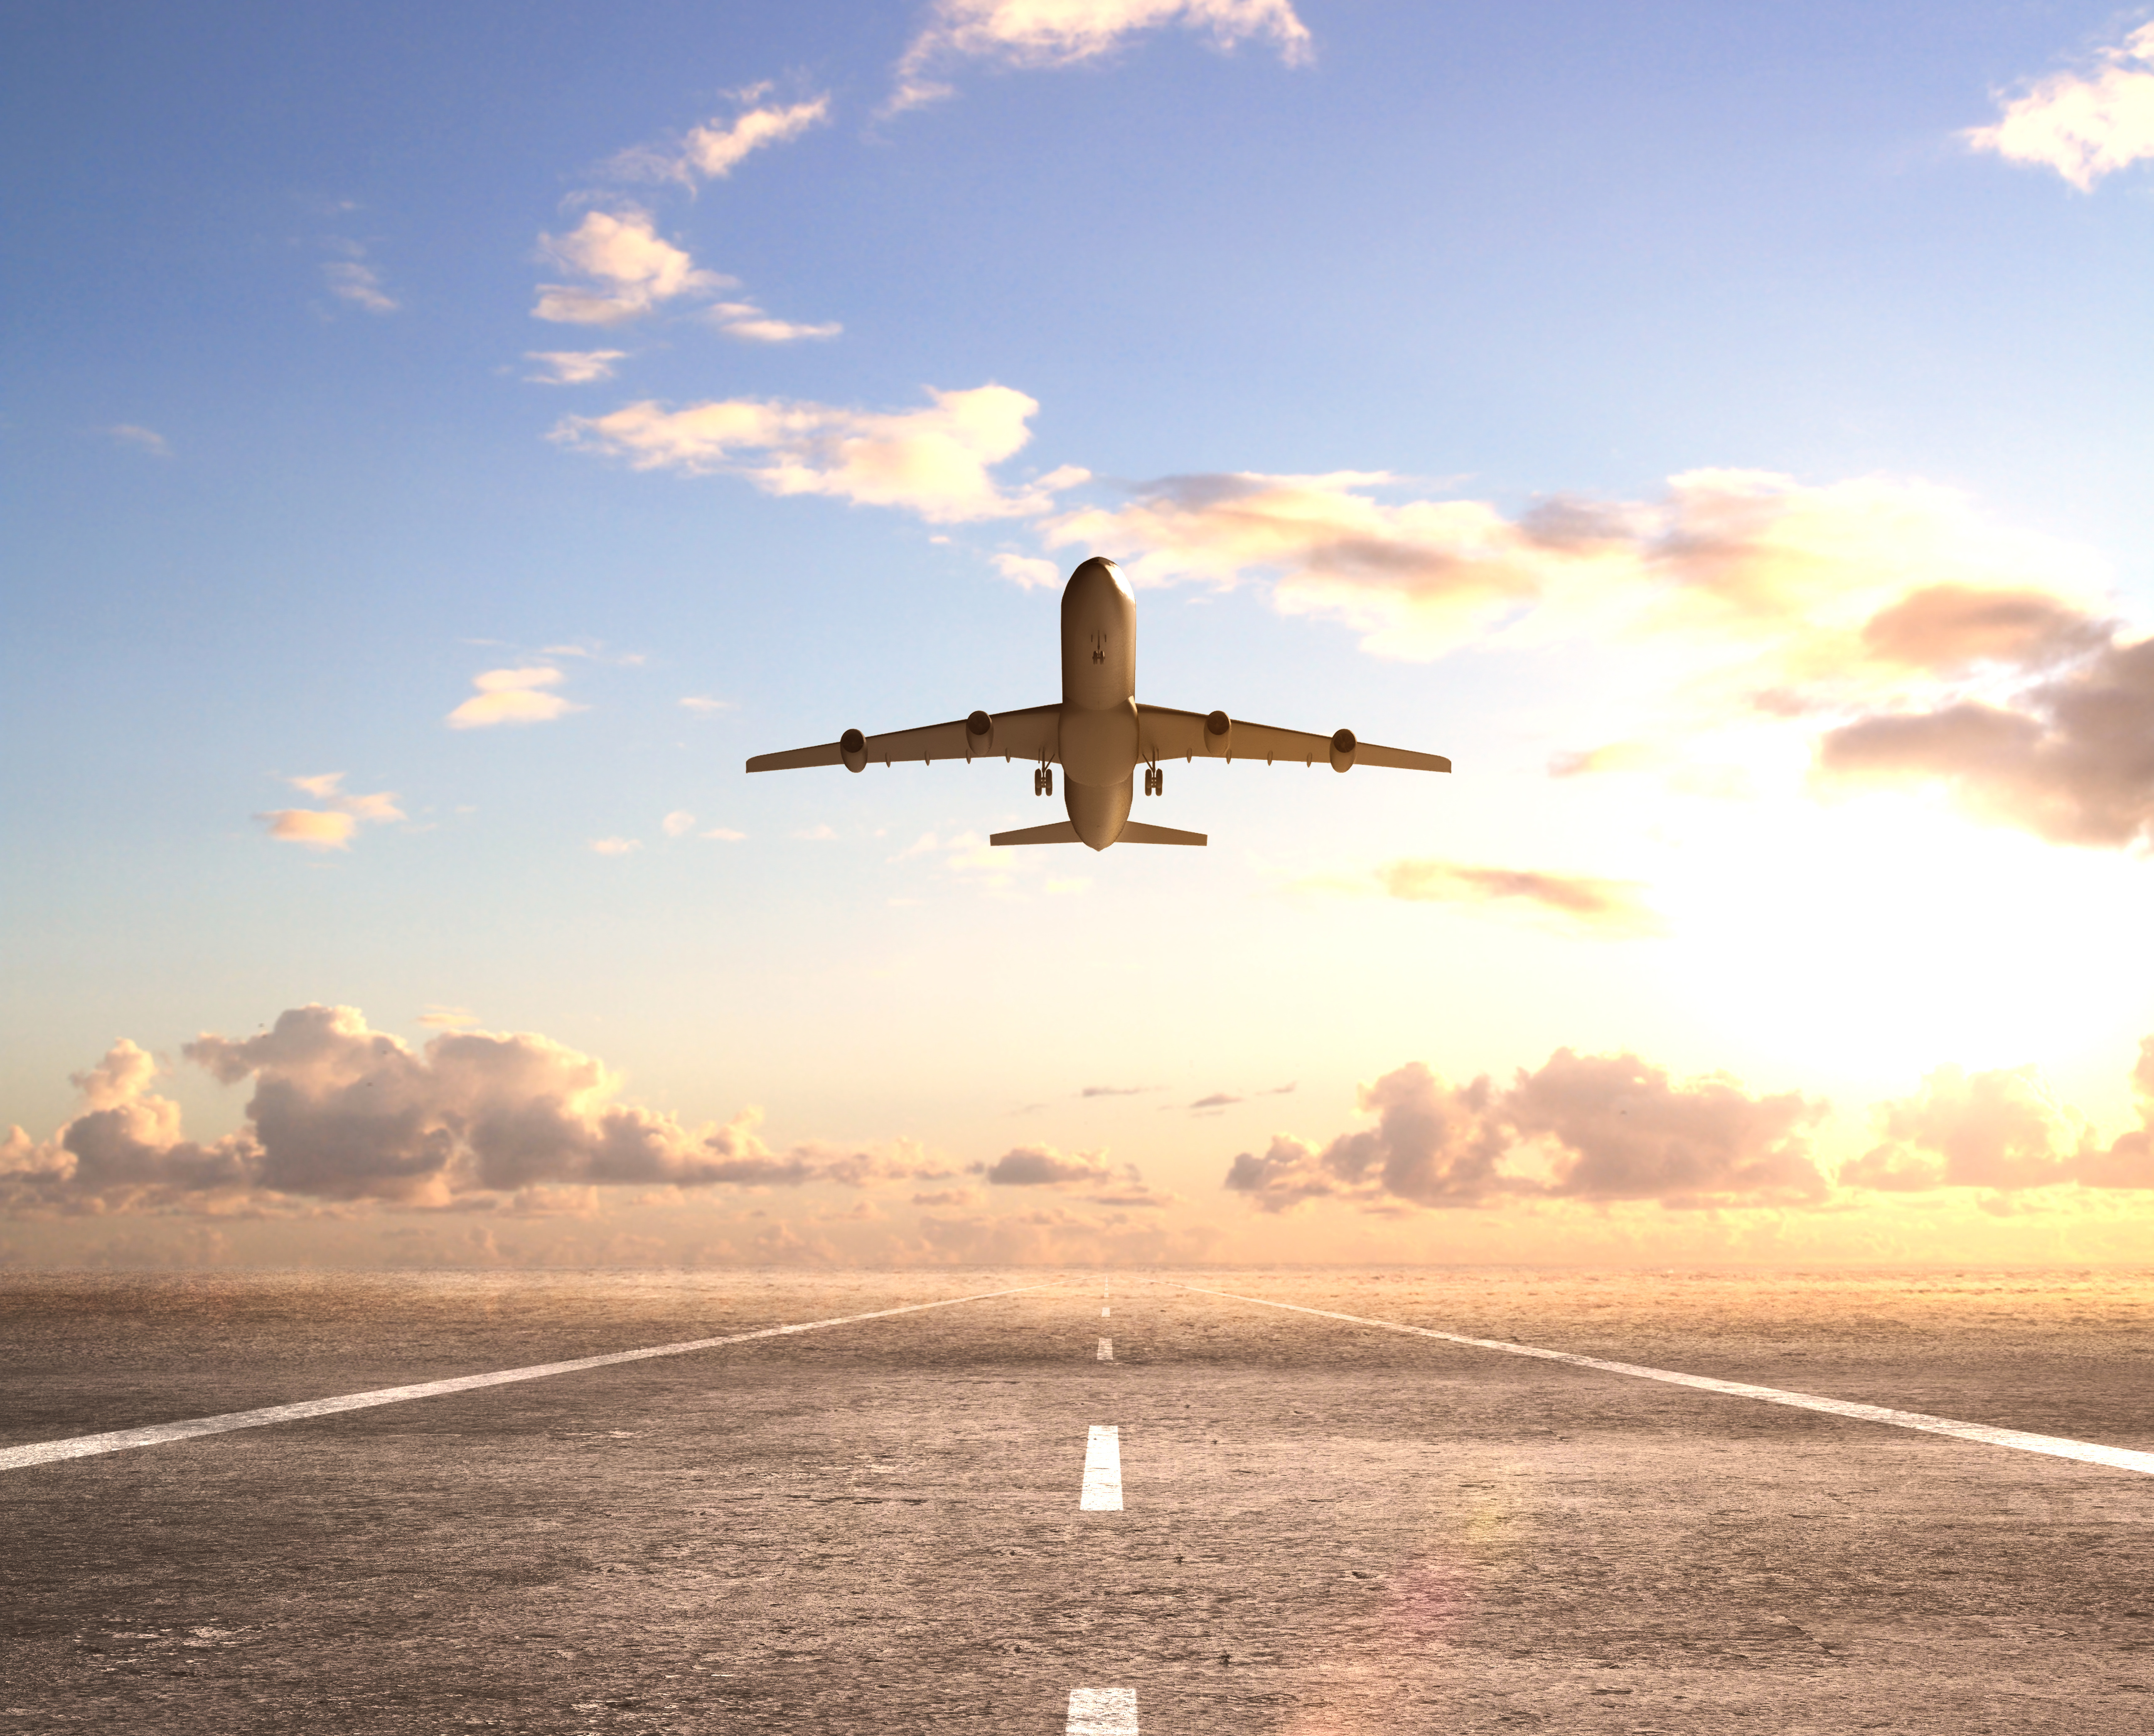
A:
x: 1042, y: 781
x: 1155, y: 780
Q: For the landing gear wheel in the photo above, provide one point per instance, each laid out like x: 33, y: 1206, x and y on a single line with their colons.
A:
x: 1042, y: 781
x: 1155, y: 781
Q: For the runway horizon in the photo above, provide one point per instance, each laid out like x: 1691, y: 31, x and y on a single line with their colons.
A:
x: 900, y: 1520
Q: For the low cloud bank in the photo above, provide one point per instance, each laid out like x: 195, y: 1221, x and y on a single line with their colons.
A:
x: 342, y: 1114
x: 2001, y: 1130
x: 1601, y: 1129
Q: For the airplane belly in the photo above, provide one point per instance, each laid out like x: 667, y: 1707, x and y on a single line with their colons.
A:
x: 1098, y: 747
x: 1099, y: 811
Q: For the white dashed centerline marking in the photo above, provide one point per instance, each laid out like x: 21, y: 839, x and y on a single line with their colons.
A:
x: 83, y: 1446
x: 1102, y: 1711
x: 1106, y: 1349
x: 2122, y: 1458
x: 1103, y: 1488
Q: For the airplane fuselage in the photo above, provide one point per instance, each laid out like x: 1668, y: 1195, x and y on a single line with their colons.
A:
x: 1099, y: 732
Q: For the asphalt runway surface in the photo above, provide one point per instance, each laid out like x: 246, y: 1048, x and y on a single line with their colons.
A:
x: 1014, y: 1515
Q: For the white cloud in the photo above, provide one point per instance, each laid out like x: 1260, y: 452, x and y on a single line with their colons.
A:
x: 616, y: 846
x: 679, y: 823
x: 573, y: 367
x: 934, y: 461
x: 628, y: 267
x: 146, y: 439
x: 311, y: 827
x: 352, y: 279
x: 511, y: 696
x: 438, y: 1017
x: 748, y: 323
x: 724, y: 834
x: 1033, y: 571
x: 713, y: 150
x: 2083, y: 127
x: 703, y: 705
x: 332, y: 828
x: 1030, y: 34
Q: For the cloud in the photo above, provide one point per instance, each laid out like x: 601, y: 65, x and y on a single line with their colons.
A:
x: 125, y: 1147
x: 341, y: 1113
x: 1625, y: 1131
x: 1603, y: 1128
x: 573, y: 367
x: 2084, y: 127
x: 1594, y: 906
x: 1027, y: 34
x: 356, y: 281
x: 703, y: 705
x: 724, y: 834
x: 1217, y: 1100
x: 934, y: 461
x: 1116, y: 1091
x: 512, y: 696
x: 2069, y: 759
x: 1041, y: 1166
x: 2001, y: 1129
x: 1032, y: 572
x: 144, y: 440
x: 713, y: 150
x: 748, y: 323
x: 679, y: 823
x: 628, y: 268
x: 333, y: 828
x: 616, y: 846
x: 310, y: 827
x: 1788, y: 576
x: 438, y: 1017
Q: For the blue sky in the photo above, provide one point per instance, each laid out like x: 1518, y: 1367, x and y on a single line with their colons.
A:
x: 1595, y: 384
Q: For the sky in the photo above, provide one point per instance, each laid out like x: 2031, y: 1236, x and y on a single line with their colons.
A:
x: 439, y: 446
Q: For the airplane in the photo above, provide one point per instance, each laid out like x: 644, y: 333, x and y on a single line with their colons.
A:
x: 1099, y: 733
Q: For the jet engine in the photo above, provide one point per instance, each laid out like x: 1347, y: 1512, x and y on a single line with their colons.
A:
x: 1218, y: 737
x: 853, y: 750
x: 979, y: 735
x: 1342, y: 751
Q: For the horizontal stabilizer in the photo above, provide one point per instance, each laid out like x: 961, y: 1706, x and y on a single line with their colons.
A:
x: 1136, y: 832
x: 1060, y: 832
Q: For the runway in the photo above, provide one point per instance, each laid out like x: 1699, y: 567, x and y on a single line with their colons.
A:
x: 987, y: 1516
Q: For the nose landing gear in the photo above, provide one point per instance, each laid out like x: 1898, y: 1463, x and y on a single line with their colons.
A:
x: 1042, y: 781
x: 1155, y: 781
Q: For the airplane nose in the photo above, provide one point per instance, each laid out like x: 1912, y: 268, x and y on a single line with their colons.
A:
x: 1093, y: 574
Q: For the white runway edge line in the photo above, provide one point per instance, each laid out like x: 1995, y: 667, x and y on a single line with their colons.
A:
x: 2122, y: 1458
x: 1102, y: 1711
x: 1103, y: 1478
x: 83, y: 1446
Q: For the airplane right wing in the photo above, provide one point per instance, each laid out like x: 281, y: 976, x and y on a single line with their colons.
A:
x: 1035, y: 734
x: 1163, y: 734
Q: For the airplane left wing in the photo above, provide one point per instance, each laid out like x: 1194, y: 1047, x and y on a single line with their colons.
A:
x: 1163, y: 734
x: 1032, y: 734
